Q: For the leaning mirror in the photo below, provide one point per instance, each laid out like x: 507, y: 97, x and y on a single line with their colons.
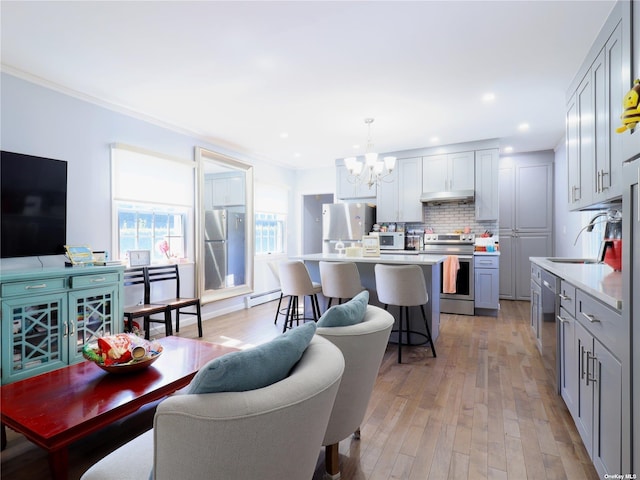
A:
x: 224, y: 250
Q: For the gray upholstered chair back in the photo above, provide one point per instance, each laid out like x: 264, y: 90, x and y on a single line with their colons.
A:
x: 401, y: 285
x: 340, y: 279
x: 295, y: 279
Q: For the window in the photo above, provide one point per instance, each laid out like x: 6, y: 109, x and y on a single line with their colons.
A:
x: 152, y: 204
x: 160, y: 229
x: 271, y: 219
x: 270, y: 233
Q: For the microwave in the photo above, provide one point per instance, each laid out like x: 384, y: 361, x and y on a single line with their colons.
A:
x: 391, y: 240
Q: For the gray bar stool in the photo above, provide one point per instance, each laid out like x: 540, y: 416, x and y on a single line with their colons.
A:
x: 404, y: 286
x: 295, y: 282
x: 340, y: 280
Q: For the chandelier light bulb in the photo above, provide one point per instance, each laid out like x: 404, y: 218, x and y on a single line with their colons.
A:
x: 390, y: 163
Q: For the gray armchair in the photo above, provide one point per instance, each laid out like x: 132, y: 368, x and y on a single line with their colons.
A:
x: 363, y: 346
x: 274, y: 432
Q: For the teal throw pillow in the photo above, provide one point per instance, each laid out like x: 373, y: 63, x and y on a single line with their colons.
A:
x: 348, y: 313
x: 255, y: 367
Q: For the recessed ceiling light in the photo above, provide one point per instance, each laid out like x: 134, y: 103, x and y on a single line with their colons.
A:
x: 507, y: 149
x: 488, y: 97
x: 284, y: 135
x: 434, y: 139
x: 297, y: 155
x: 523, y: 127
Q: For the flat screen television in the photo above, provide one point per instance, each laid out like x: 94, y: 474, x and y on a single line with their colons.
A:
x: 34, y: 205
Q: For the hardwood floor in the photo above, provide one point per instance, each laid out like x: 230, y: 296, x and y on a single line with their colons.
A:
x: 481, y: 409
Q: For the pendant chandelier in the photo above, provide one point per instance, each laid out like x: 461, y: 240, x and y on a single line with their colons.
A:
x: 370, y: 170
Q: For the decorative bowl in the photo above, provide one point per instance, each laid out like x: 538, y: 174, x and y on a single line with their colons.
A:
x: 91, y: 351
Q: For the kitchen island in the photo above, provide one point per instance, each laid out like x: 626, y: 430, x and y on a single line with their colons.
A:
x: 431, y: 266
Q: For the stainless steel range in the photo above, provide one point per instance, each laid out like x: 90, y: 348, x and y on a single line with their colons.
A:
x: 461, y: 245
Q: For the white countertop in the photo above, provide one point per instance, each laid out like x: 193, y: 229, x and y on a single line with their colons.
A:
x: 420, y: 259
x: 596, y: 279
x: 487, y: 254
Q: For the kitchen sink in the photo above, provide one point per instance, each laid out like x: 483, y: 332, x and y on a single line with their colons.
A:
x: 573, y: 260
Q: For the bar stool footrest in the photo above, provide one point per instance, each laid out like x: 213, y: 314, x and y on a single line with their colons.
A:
x: 412, y: 332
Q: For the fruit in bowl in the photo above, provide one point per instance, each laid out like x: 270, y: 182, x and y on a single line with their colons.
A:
x: 122, y: 352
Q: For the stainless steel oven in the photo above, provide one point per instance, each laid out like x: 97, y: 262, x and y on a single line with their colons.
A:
x: 462, y: 246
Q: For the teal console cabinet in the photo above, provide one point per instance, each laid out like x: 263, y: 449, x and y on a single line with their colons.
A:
x: 48, y: 314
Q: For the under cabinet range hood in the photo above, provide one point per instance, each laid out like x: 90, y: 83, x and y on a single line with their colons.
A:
x: 459, y: 196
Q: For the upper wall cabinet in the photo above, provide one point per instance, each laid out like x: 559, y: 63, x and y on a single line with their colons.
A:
x: 398, y: 197
x: 595, y: 152
x: 224, y: 190
x: 447, y: 173
x: 346, y: 189
x: 486, y: 185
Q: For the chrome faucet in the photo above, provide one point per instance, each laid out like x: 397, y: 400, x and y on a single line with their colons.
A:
x: 592, y: 224
x: 611, y: 214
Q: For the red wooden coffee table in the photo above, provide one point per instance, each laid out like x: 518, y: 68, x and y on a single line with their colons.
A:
x: 57, y: 408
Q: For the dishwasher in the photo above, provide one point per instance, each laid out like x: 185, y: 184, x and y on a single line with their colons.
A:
x: 549, y: 327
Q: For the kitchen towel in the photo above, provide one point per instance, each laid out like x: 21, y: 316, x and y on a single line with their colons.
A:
x: 450, y: 269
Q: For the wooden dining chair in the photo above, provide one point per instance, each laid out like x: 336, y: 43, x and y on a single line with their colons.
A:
x: 163, y: 273
x: 137, y: 276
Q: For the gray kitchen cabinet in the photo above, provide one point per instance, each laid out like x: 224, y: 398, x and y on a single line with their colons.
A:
x: 409, y: 190
x: 535, y: 317
x: 387, y: 199
x: 450, y: 172
x: 567, y: 347
x: 594, y: 149
x: 487, y: 280
x: 526, y: 194
x: 346, y: 189
x: 580, y: 151
x: 398, y: 198
x: 486, y: 184
x: 599, y: 414
x: 515, y: 250
x: 609, y: 89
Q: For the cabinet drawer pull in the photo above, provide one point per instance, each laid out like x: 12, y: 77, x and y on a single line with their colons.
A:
x: 561, y: 319
x: 564, y: 297
x: 581, y: 362
x: 34, y: 287
x: 590, y: 317
x: 98, y: 280
x: 547, y: 284
x: 66, y: 329
x: 602, y: 174
x: 589, y: 377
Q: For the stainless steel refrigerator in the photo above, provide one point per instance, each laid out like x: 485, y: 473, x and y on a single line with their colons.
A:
x: 224, y: 244
x: 215, y: 249
x: 346, y: 222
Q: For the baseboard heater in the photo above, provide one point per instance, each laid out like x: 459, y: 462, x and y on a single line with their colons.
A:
x: 261, y: 298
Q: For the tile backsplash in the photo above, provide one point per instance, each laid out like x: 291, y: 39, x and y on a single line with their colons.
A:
x: 453, y: 216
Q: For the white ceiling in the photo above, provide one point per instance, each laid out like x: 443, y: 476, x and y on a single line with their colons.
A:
x: 240, y: 74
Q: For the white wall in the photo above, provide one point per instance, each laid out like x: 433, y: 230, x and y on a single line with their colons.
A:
x: 41, y: 121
